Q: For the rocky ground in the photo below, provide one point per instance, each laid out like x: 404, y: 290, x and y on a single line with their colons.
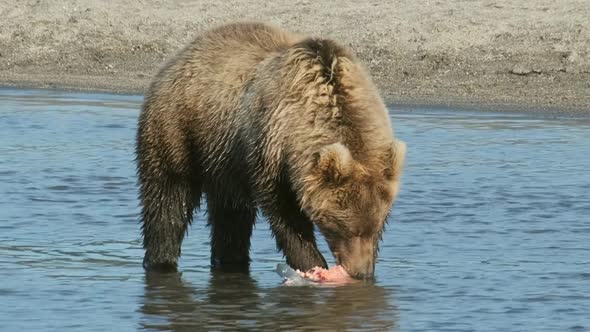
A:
x: 497, y: 53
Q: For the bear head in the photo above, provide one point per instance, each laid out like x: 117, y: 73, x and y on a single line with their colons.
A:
x: 349, y: 201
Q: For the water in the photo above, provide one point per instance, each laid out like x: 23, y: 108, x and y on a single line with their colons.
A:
x: 491, y: 231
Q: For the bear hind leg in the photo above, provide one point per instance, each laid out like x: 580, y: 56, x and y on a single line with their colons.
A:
x: 231, y: 225
x: 167, y: 210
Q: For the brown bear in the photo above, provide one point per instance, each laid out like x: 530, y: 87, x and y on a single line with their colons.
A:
x: 255, y: 119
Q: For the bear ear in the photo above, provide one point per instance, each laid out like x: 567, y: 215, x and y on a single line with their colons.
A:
x: 395, y: 157
x: 334, y: 162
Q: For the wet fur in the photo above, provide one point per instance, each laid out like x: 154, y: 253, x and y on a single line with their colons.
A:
x: 240, y: 116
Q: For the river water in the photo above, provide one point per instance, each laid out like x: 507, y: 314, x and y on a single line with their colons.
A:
x: 491, y: 231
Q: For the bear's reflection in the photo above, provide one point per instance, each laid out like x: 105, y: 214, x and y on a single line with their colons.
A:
x: 234, y: 301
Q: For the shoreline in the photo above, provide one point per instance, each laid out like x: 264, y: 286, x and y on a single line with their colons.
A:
x: 424, y: 104
x: 531, y: 56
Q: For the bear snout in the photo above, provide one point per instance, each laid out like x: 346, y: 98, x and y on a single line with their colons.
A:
x: 358, y: 258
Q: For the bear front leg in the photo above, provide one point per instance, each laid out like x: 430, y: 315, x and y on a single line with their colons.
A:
x: 295, y: 238
x: 292, y: 230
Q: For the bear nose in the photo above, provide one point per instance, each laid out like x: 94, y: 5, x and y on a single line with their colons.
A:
x: 365, y: 277
x: 365, y: 271
x: 359, y: 260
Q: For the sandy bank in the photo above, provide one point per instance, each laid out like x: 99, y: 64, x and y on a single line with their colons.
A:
x: 524, y: 53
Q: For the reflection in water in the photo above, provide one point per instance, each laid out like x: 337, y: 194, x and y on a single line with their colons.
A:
x: 167, y: 296
x: 234, y: 301
x: 340, y: 308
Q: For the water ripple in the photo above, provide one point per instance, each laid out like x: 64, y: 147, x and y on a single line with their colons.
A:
x: 490, y: 231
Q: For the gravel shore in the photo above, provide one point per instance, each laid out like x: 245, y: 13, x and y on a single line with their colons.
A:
x: 498, y: 54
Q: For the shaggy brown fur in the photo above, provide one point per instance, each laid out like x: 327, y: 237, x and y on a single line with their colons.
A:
x: 256, y: 118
